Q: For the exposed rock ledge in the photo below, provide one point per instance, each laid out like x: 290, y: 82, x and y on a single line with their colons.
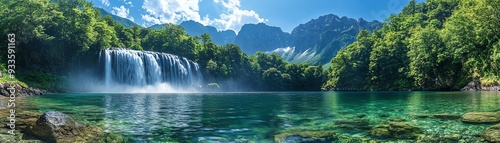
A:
x: 477, y: 86
x: 19, y: 90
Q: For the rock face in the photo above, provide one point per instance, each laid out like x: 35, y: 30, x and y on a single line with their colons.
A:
x: 261, y: 37
x: 476, y: 85
x: 218, y: 37
x: 492, y: 134
x: 398, y: 130
x: 59, y: 127
x: 19, y: 90
x: 306, y: 137
x: 481, y: 117
x: 318, y: 40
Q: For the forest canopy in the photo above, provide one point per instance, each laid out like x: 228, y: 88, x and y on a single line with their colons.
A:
x: 57, y: 37
x: 437, y: 45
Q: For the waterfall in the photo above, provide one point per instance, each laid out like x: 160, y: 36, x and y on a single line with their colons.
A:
x: 146, y: 68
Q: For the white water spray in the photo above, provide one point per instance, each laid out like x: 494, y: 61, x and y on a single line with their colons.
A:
x: 137, y: 71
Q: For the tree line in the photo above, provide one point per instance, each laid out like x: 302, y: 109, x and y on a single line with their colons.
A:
x: 437, y: 45
x: 55, y: 37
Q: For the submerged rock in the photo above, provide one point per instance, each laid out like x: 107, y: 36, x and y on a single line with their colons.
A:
x: 481, y: 117
x: 398, y: 130
x: 59, y: 127
x: 492, y: 134
x: 454, y: 138
x: 352, y: 124
x: 306, y: 137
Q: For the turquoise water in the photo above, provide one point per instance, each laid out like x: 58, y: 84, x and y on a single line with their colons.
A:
x: 241, y: 117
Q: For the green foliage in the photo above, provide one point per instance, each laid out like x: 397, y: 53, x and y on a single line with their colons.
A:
x: 437, y: 45
x: 122, y: 21
x: 42, y: 80
x: 60, y: 36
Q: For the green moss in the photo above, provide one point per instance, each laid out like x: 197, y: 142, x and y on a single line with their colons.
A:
x: 398, y: 130
x: 490, y: 80
x: 43, y: 80
x: 6, y: 79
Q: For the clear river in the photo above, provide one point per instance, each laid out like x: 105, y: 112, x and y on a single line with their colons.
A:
x: 258, y: 117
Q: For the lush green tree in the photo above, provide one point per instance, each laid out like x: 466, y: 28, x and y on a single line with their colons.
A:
x: 437, y: 45
x: 350, y: 68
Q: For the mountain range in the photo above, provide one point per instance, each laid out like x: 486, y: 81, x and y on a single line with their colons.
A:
x: 315, y: 42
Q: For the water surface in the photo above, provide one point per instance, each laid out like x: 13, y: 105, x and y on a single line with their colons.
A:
x: 241, y: 117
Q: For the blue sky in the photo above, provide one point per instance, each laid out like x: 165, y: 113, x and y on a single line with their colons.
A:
x: 232, y: 14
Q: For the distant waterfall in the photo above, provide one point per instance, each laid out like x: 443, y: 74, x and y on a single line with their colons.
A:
x: 144, y: 68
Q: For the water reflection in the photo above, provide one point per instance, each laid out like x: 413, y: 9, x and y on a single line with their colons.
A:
x: 256, y: 116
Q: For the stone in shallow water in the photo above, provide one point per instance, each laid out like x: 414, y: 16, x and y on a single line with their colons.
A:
x: 306, y: 137
x: 481, y: 117
x: 398, y: 130
x: 352, y: 124
x: 59, y: 127
x: 492, y: 134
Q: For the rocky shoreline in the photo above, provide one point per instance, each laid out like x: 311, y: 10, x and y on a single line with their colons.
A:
x: 19, y: 90
x: 476, y: 85
x: 54, y: 127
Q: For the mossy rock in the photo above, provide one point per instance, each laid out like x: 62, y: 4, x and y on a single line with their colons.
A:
x: 59, y: 127
x: 481, y: 117
x: 306, y: 137
x: 380, y: 131
x: 115, y: 138
x: 492, y: 134
x: 352, y: 124
x: 453, y: 138
x: 397, y: 130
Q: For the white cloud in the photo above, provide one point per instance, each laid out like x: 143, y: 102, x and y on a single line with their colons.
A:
x: 105, y: 2
x: 151, y: 19
x: 172, y: 11
x: 234, y: 17
x: 129, y: 3
x: 121, y: 12
x: 176, y: 11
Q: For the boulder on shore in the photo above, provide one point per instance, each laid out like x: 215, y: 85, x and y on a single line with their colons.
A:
x: 59, y: 127
x: 481, y: 117
x: 492, y: 134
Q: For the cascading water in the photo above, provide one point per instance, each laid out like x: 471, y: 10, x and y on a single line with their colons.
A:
x: 139, y: 69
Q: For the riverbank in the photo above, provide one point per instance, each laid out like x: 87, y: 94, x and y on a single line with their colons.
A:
x: 20, y: 90
x: 482, y: 86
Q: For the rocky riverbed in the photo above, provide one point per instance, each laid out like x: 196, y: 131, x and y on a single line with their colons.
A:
x: 394, y: 130
x: 57, y: 127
